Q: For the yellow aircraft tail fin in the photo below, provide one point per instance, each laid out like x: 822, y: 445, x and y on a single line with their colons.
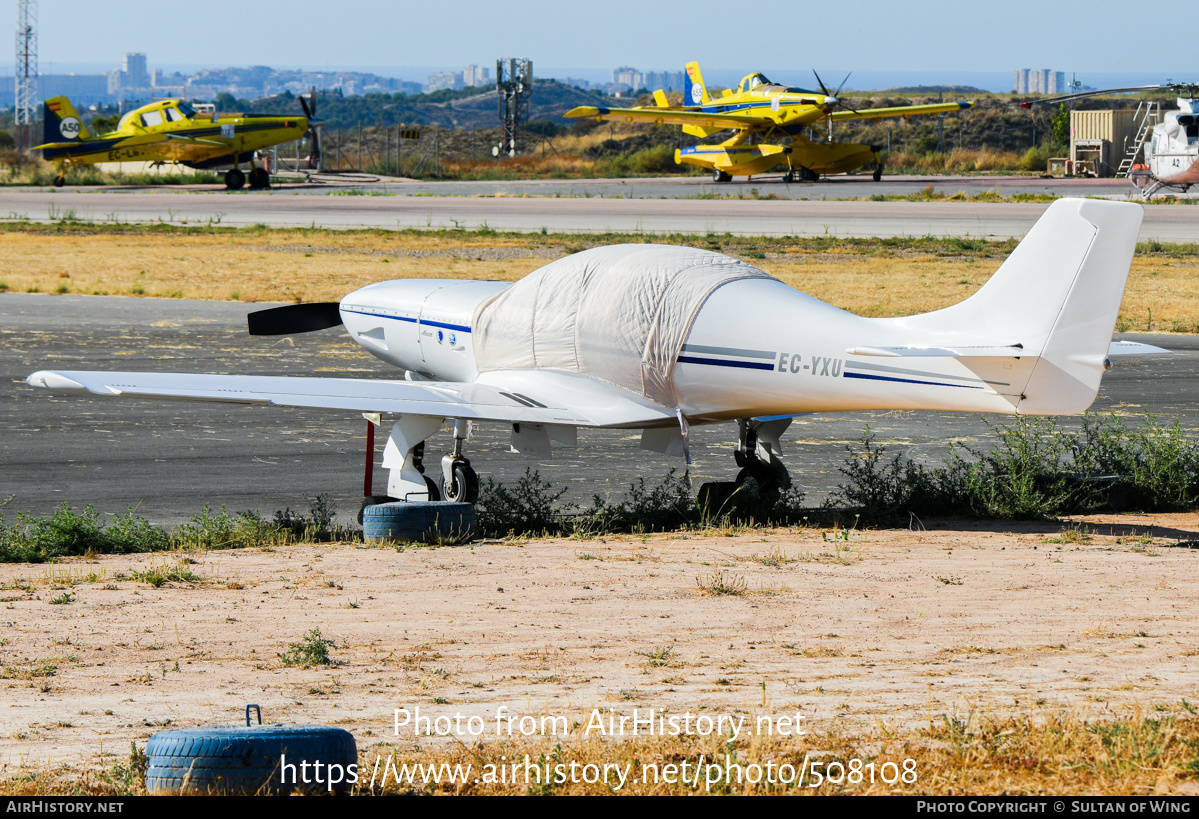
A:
x: 694, y: 90
x: 61, y: 123
x: 660, y: 99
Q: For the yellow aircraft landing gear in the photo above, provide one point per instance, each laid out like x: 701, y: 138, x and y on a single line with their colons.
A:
x: 234, y: 179
x: 259, y: 179
x: 61, y: 179
x: 720, y: 176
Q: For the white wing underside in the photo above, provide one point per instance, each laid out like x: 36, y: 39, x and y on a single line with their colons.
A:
x: 533, y: 397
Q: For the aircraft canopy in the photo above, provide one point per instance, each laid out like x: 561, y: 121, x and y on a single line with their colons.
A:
x: 619, y: 313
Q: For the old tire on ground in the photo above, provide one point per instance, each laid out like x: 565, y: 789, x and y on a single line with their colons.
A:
x: 439, y: 521
x: 247, y: 760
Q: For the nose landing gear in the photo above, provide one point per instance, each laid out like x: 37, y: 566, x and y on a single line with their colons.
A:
x: 459, y: 482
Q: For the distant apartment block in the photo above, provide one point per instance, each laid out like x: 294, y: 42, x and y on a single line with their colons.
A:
x: 628, y: 78
x: 1039, y: 81
x: 469, y: 77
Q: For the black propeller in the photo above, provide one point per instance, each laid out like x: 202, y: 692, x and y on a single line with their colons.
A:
x: 314, y: 134
x: 295, y: 318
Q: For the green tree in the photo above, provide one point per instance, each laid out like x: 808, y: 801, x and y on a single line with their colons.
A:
x: 1061, y: 126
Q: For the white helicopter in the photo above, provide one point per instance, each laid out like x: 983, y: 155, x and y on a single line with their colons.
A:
x: 1172, y: 151
x: 662, y: 338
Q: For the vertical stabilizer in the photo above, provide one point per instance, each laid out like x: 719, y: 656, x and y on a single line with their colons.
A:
x: 1057, y: 296
x: 694, y: 90
x: 60, y: 122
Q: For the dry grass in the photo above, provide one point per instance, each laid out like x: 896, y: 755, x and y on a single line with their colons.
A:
x: 1162, y: 294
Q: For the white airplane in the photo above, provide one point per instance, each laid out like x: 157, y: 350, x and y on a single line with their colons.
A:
x: 662, y: 338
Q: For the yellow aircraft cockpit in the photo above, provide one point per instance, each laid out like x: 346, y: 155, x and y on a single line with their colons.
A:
x: 157, y: 114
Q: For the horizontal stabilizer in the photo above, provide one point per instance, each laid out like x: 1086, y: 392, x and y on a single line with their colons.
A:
x: 1134, y: 348
x: 956, y: 351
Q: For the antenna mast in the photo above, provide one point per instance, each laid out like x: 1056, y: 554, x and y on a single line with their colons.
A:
x: 26, y: 75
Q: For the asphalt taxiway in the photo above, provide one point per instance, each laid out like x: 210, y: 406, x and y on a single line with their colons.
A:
x: 560, y: 207
x: 166, y: 459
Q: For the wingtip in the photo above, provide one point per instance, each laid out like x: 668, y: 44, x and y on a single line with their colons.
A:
x: 49, y: 380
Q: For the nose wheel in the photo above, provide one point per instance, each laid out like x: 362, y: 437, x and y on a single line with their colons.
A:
x: 459, y: 482
x: 463, y: 483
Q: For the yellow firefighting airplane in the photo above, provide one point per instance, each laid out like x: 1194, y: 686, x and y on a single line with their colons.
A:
x: 760, y: 112
x: 173, y: 131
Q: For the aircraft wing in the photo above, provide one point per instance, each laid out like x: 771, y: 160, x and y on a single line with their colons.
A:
x: 671, y: 116
x: 197, y: 141
x: 902, y: 111
x: 533, y: 397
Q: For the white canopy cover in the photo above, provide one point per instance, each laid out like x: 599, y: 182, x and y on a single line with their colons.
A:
x: 620, y: 313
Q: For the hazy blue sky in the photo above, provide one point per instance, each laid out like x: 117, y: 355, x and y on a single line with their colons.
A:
x: 788, y: 38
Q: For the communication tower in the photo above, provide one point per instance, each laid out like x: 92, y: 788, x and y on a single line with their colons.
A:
x: 514, y: 84
x: 26, y: 74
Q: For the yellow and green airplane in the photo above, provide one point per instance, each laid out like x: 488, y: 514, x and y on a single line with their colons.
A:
x: 173, y: 131
x: 768, y: 121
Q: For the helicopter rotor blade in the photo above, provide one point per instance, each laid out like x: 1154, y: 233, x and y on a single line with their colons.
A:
x: 1085, y: 94
x: 294, y: 318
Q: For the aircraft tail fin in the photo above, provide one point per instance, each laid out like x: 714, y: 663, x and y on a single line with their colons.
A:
x: 660, y: 99
x: 1056, y: 297
x: 694, y: 90
x: 61, y: 123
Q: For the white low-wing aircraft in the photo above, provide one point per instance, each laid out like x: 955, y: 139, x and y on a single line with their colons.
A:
x: 661, y: 338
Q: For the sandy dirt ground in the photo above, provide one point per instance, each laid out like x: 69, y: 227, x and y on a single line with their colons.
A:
x: 877, y: 628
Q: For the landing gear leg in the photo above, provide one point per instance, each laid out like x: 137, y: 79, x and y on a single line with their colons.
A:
x: 757, y: 454
x: 458, y: 481
x: 61, y: 179
x: 404, y: 457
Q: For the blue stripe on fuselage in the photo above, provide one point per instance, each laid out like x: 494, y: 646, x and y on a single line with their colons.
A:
x: 441, y: 324
x: 909, y: 381
x: 714, y: 362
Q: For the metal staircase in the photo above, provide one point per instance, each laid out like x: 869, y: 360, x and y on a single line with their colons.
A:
x: 1148, y: 114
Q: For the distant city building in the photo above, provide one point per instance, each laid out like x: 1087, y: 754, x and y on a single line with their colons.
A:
x: 440, y: 80
x: 134, y: 70
x: 629, y: 78
x: 1039, y: 81
x: 82, y: 89
x: 474, y: 75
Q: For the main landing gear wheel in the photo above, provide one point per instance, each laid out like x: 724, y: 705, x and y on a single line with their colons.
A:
x: 259, y: 179
x: 789, y: 177
x: 720, y: 176
x: 234, y: 179
x: 878, y: 172
x: 464, y: 483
